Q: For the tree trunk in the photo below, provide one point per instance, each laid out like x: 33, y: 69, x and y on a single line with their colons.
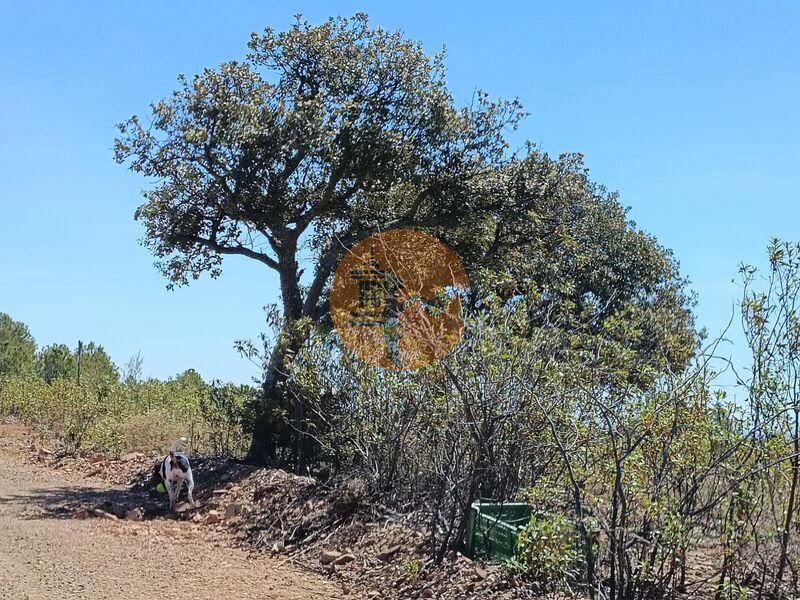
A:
x: 264, y: 443
x: 269, y: 433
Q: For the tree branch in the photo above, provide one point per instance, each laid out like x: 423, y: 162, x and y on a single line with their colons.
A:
x: 212, y: 244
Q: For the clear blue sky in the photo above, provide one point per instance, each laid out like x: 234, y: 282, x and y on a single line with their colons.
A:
x: 688, y: 109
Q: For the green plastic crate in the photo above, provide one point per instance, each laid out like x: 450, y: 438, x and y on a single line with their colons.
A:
x: 492, y: 529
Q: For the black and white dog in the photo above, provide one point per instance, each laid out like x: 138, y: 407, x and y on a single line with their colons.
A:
x: 175, y: 471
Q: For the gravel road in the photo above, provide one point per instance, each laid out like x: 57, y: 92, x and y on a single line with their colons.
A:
x: 47, y: 554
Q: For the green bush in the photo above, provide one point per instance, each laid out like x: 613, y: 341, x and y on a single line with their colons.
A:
x: 61, y: 410
x: 223, y: 414
x: 547, y: 549
x: 104, y: 415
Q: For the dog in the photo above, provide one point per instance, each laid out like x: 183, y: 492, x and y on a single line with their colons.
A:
x: 175, y: 470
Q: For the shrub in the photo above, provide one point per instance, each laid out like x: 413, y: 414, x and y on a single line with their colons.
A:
x: 61, y: 410
x: 412, y: 567
x: 547, y: 549
x: 223, y: 409
x: 151, y: 430
x: 105, y: 415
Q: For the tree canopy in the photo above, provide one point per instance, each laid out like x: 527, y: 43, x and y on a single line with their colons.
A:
x: 565, y: 244
x: 338, y: 129
x: 325, y: 134
x: 17, y: 347
x: 97, y: 366
x: 56, y: 361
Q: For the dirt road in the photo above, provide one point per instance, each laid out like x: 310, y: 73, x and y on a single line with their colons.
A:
x: 47, y: 554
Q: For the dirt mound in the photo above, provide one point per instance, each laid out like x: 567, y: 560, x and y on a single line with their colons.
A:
x: 342, y: 531
x: 288, y: 513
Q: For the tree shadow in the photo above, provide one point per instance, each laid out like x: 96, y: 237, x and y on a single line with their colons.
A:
x: 210, y: 473
x: 66, y: 501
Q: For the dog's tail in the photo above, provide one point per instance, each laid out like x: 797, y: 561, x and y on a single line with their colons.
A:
x: 173, y: 449
x: 176, y: 445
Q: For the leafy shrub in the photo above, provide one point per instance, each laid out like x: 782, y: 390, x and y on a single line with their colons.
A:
x: 61, y: 410
x: 104, y: 415
x: 547, y: 549
x: 151, y: 430
x: 223, y: 413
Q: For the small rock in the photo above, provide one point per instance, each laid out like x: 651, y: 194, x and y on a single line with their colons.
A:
x: 137, y: 514
x: 386, y: 555
x: 232, y: 510
x: 96, y: 458
x: 99, y: 512
x: 82, y: 514
x: 212, y: 517
x: 344, y: 559
x: 96, y: 471
x: 118, y: 510
x: 481, y: 572
x: 329, y: 556
x: 131, y: 456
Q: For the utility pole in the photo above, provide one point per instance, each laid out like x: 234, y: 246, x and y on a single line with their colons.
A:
x: 80, y: 352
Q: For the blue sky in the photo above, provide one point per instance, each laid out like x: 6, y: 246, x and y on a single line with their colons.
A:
x: 688, y: 109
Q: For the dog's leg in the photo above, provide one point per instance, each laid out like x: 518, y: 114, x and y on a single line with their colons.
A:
x: 171, y: 492
x: 190, y: 488
x: 178, y: 488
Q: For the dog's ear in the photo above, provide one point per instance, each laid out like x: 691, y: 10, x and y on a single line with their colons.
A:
x: 182, y: 462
